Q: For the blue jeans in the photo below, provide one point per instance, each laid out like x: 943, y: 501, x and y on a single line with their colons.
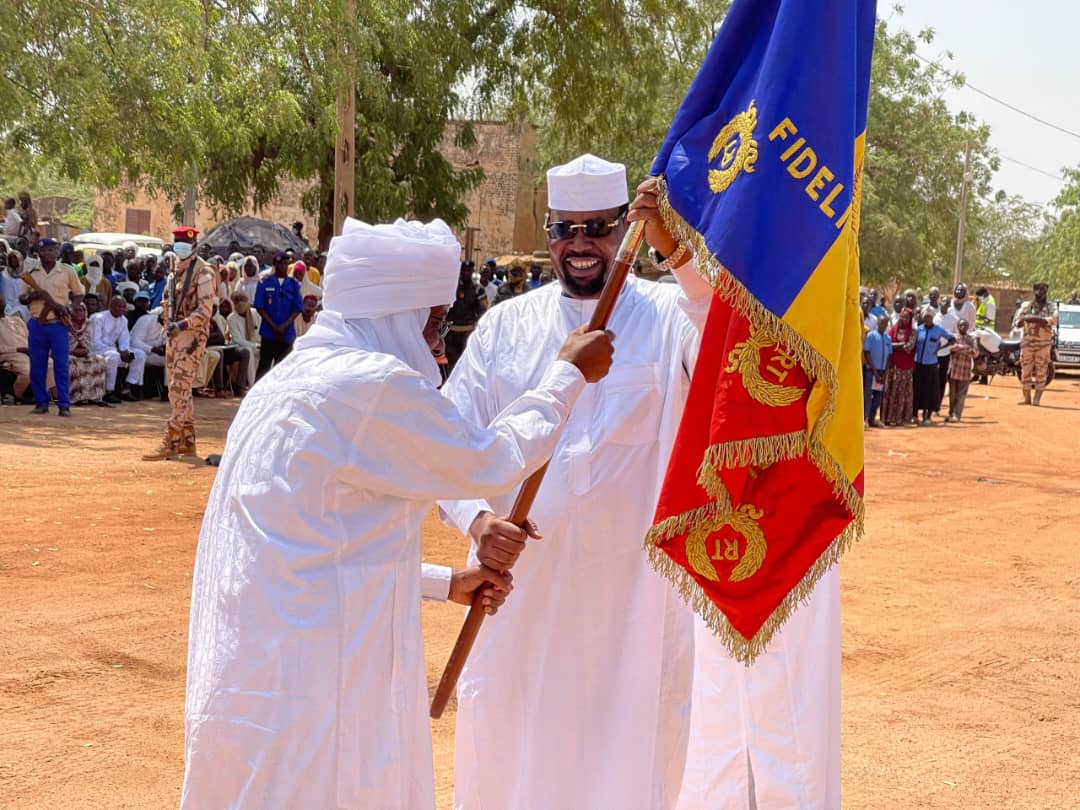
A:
x: 867, y: 385
x: 43, y: 340
x: 875, y: 403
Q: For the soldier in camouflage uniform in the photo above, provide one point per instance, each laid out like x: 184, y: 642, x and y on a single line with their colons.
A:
x: 188, y: 304
x: 1037, y: 317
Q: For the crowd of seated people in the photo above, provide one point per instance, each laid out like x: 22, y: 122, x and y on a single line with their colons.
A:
x: 109, y: 308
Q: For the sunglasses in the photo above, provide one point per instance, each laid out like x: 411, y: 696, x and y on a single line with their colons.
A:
x: 593, y: 228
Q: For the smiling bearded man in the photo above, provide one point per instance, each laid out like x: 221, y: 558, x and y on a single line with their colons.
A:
x: 580, y: 697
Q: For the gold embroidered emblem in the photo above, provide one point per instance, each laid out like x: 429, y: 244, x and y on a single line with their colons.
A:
x: 745, y: 358
x: 737, y: 149
x: 744, y: 521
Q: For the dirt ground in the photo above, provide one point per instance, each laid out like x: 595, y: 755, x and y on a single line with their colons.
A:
x: 961, y: 610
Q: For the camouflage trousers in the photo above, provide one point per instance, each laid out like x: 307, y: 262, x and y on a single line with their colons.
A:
x: 182, y: 355
x: 1034, y: 367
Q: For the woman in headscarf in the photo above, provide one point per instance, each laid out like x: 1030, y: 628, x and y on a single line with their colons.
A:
x: 223, y: 288
x: 896, y: 406
x: 248, y: 280
x: 87, y: 370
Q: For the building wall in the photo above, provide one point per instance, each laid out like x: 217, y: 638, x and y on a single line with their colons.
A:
x: 112, y: 209
x: 506, y: 211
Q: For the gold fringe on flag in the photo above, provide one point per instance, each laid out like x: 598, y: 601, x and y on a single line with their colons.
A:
x: 759, y: 452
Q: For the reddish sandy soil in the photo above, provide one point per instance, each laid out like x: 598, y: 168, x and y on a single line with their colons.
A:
x: 961, y: 610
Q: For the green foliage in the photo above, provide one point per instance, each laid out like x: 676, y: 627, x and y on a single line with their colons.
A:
x: 1058, y: 253
x: 236, y: 96
x: 607, y: 77
x: 914, y: 167
x: 1007, y: 232
x: 44, y: 181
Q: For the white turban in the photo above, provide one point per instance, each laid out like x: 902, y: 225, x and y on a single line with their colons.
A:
x: 379, y: 286
x: 377, y: 270
x: 94, y: 272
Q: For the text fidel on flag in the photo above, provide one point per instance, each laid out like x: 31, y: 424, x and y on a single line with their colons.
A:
x: 760, y: 174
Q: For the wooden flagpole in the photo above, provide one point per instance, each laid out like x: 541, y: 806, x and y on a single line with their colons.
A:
x: 613, y: 285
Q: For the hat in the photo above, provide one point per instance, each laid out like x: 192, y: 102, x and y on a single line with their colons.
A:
x: 184, y: 233
x: 47, y: 242
x: 129, y: 245
x: 312, y: 296
x: 299, y: 266
x: 142, y: 294
x: 377, y: 270
x: 280, y: 254
x: 124, y: 286
x: 587, y: 183
x: 67, y: 246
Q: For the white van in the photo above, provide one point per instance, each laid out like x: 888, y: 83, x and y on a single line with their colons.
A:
x: 1068, y: 333
x: 91, y: 243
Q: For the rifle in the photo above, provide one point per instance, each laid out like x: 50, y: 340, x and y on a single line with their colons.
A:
x: 50, y: 302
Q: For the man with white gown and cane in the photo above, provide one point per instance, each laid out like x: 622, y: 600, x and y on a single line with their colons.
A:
x: 579, y: 696
x: 306, y: 679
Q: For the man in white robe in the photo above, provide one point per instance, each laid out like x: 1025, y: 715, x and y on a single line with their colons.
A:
x: 306, y: 679
x: 112, y: 340
x: 580, y: 695
x: 585, y: 701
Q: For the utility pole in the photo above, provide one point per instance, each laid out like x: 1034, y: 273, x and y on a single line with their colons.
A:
x: 345, y: 150
x: 191, y: 203
x: 963, y: 215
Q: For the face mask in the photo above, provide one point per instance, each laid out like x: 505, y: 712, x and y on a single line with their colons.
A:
x: 182, y: 249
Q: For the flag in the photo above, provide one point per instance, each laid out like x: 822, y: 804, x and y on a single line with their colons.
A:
x: 760, y: 174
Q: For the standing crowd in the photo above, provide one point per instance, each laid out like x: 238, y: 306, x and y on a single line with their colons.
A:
x: 917, y: 352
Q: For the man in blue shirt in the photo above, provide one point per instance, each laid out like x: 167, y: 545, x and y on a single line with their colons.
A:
x: 113, y: 267
x: 927, y: 342
x: 156, y: 288
x: 877, y: 349
x: 278, y: 302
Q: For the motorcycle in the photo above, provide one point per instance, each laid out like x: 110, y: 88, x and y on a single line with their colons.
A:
x: 995, y: 356
x: 999, y: 356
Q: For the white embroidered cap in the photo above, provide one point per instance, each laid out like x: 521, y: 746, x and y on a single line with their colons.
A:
x: 587, y: 183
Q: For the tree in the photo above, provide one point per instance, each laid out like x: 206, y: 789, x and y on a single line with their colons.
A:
x: 607, y: 77
x: 1007, y: 233
x: 914, y: 167
x: 234, y: 96
x: 1058, y: 254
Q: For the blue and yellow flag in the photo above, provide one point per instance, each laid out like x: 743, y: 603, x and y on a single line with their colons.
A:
x: 760, y: 174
